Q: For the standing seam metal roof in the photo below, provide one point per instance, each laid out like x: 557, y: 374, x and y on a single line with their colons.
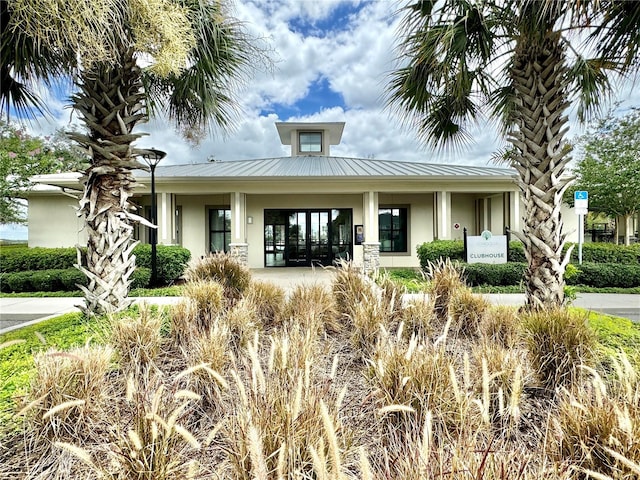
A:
x: 322, y: 166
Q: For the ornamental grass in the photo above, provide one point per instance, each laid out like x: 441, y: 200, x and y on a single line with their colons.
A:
x: 333, y: 382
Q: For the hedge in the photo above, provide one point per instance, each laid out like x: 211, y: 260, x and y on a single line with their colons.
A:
x: 454, y: 250
x: 597, y: 275
x: 606, y: 253
x: 607, y: 275
x: 591, y: 252
x: 57, y: 280
x: 23, y: 259
x: 501, y: 274
x: 171, y: 260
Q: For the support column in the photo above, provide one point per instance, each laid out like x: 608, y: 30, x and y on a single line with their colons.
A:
x: 371, y: 245
x: 442, y: 220
x: 167, y: 219
x: 239, y: 247
x: 514, y: 211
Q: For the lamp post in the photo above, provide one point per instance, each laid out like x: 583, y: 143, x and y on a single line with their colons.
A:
x: 152, y: 157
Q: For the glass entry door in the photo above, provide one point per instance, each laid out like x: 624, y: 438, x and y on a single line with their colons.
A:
x: 297, y: 244
x: 301, y: 238
x: 319, y: 237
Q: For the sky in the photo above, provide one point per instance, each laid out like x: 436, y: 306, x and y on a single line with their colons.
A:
x: 331, y: 59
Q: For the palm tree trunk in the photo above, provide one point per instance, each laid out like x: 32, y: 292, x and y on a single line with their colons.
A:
x: 111, y: 102
x: 538, y: 77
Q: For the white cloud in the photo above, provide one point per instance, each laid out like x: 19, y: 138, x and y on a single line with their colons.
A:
x: 354, y: 59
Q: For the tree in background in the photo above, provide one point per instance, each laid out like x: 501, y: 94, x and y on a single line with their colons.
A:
x: 22, y: 156
x: 609, y: 168
x: 519, y: 62
x: 127, y: 59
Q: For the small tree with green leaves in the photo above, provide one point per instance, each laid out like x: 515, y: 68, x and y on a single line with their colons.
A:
x: 609, y: 168
x: 22, y: 156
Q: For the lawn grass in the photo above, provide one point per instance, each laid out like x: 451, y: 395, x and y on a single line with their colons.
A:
x: 615, y: 334
x: 172, y: 291
x: 18, y: 347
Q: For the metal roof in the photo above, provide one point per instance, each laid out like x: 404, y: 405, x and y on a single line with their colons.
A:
x: 313, y: 166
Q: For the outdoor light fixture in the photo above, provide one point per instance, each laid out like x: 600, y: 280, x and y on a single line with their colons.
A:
x: 249, y: 219
x: 152, y: 158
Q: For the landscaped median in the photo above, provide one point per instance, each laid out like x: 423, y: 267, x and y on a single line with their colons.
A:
x: 342, y: 381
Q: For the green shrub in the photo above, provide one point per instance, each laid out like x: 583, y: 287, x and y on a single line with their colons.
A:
x: 141, y: 278
x: 23, y: 259
x: 606, y: 275
x: 59, y: 280
x: 171, y: 261
x: 440, y: 249
x: 501, y: 274
x: 516, y: 252
x: 71, y: 278
x: 16, y: 282
x: 606, y: 253
x: 46, y: 281
x: 454, y: 250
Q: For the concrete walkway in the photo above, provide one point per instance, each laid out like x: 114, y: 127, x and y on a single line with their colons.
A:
x: 17, y: 312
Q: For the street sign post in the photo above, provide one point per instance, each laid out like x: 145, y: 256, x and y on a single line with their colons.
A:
x: 581, y: 206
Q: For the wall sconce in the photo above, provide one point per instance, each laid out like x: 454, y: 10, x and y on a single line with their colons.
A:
x: 249, y: 219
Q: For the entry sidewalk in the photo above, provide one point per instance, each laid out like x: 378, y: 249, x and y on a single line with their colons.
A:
x: 18, y: 312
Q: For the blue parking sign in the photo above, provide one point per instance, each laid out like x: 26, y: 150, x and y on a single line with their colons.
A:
x: 581, y: 195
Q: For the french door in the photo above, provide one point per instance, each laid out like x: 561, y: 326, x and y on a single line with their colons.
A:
x: 307, y: 237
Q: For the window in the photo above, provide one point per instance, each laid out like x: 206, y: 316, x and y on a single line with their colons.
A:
x: 392, y: 224
x: 219, y: 229
x: 310, y: 142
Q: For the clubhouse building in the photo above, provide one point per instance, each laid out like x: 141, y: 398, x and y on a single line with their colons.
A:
x: 310, y: 208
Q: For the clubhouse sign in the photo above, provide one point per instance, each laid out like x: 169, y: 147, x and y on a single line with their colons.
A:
x: 487, y: 248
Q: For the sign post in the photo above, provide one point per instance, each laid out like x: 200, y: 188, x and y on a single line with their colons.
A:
x: 581, y: 201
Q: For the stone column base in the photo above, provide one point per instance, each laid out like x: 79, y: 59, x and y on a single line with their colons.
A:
x: 371, y: 261
x: 241, y: 252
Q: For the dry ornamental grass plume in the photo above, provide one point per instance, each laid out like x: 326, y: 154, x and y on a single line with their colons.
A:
x: 209, y: 299
x: 598, y: 423
x: 558, y: 342
x: 268, y: 299
x: 313, y: 307
x: 137, y: 338
x: 224, y: 268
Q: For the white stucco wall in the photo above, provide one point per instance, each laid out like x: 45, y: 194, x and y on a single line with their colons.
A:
x: 420, y: 229
x: 463, y: 207
x: 53, y: 222
x: 195, y: 223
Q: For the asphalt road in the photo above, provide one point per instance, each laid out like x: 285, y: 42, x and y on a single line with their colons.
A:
x: 22, y: 311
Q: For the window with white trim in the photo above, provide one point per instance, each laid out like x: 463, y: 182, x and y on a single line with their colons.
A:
x: 310, y: 142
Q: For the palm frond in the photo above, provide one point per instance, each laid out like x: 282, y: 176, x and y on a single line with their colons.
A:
x: 617, y: 36
x: 590, y: 82
x: 23, y: 62
x: 445, y: 80
x: 204, y: 93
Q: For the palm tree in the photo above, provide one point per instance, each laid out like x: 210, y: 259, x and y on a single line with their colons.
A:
x: 128, y: 59
x: 519, y: 62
